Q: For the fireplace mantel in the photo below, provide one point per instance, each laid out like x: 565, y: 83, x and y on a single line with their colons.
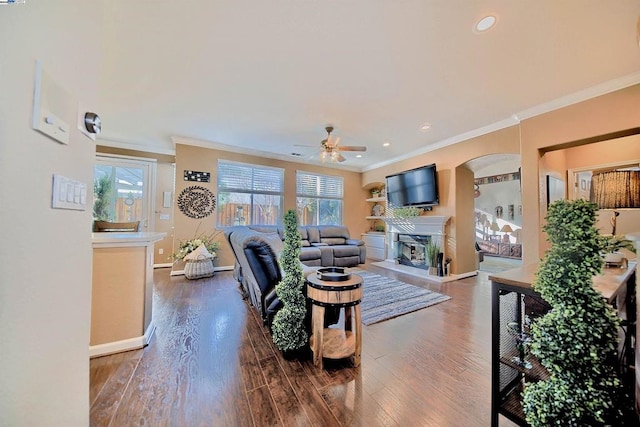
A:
x: 420, y: 225
x: 427, y: 225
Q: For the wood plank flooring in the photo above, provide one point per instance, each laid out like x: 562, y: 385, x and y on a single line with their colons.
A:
x: 212, y: 363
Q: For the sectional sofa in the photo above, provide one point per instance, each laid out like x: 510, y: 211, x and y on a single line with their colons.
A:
x: 256, y: 249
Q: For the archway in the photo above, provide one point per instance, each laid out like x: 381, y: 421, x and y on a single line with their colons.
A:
x: 497, y: 211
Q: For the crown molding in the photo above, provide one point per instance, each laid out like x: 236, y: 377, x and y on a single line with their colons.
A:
x: 253, y: 152
x: 126, y: 145
x: 516, y: 118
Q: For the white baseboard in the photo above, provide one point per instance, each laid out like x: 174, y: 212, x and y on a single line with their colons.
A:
x: 165, y: 265
x: 123, y: 345
x: 220, y: 268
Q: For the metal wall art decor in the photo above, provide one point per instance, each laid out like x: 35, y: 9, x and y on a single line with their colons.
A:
x: 197, y: 176
x: 196, y: 202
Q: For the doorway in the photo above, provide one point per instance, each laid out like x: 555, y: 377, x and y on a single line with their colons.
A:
x: 123, y: 189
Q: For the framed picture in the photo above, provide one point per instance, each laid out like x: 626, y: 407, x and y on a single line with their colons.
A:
x: 555, y: 189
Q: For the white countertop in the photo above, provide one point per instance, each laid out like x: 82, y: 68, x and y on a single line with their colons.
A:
x: 126, y: 238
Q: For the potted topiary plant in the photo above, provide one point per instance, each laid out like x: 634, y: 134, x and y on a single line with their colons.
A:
x: 576, y: 340
x: 288, y: 328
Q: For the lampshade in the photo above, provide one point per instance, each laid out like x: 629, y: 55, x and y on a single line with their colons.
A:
x: 506, y: 229
x: 616, y: 189
x: 494, y: 226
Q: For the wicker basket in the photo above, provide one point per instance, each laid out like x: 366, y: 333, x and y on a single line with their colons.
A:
x: 198, y: 268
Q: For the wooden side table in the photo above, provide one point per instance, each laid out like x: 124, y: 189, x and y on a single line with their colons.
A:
x: 335, y: 343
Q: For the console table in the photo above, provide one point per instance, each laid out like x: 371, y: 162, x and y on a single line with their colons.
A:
x: 513, y: 299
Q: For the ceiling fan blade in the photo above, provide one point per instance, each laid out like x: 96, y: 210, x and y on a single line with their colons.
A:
x: 352, y: 148
x: 303, y: 145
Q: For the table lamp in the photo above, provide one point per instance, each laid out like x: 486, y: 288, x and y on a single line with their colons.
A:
x: 494, y: 227
x: 506, y: 229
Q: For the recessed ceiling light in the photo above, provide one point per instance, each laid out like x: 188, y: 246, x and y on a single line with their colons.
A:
x: 386, y: 144
x: 358, y: 155
x: 425, y: 127
x: 485, y: 24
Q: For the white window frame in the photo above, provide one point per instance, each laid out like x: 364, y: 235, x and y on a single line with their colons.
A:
x: 250, y: 191
x: 320, y: 197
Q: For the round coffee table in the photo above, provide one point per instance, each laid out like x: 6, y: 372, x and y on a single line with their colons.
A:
x: 335, y: 343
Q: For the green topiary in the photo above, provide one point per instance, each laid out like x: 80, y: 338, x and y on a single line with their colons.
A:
x: 288, y: 329
x: 576, y: 341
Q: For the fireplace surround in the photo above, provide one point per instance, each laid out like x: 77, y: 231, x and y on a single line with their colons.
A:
x: 412, y: 250
x: 427, y: 227
x: 408, y: 238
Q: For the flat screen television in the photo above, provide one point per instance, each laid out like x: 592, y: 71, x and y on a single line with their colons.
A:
x: 416, y: 187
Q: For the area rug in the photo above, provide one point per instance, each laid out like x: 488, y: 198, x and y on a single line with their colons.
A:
x: 384, y: 298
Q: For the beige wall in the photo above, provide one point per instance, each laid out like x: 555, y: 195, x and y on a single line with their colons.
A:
x: 191, y: 157
x: 613, y: 112
x: 45, y: 258
x: 455, y: 184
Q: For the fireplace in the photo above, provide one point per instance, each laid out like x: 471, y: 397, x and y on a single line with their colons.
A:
x: 412, y: 250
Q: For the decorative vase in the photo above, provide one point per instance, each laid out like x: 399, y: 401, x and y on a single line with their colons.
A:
x: 441, y: 264
x: 433, y: 271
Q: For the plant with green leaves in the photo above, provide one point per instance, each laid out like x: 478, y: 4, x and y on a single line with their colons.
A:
x: 432, y: 249
x: 102, y: 197
x: 612, y: 243
x: 288, y: 328
x: 407, y: 212
x: 576, y: 340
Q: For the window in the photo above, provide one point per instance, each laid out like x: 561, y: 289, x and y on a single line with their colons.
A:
x: 249, y: 194
x: 319, y: 199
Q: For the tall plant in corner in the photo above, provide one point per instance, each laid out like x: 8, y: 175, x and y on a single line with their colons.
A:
x: 288, y: 330
x: 576, y: 340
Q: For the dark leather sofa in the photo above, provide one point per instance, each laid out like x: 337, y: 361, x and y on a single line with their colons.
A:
x: 256, y: 250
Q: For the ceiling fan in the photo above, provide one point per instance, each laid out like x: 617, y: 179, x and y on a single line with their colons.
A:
x: 330, y: 150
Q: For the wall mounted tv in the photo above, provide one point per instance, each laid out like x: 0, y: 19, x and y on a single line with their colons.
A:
x: 416, y: 187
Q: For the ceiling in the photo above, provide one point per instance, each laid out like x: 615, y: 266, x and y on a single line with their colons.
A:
x: 263, y: 77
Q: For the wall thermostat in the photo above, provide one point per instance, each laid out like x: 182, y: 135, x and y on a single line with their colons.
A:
x: 92, y: 123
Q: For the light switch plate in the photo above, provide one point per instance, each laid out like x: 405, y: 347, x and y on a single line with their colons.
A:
x: 68, y: 194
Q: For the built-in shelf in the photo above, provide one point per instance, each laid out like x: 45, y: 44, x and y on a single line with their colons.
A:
x: 376, y: 217
x: 377, y: 199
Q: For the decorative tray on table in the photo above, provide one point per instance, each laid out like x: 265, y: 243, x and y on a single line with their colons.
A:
x: 332, y: 274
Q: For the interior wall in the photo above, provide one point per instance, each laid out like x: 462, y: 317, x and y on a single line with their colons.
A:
x: 46, y: 255
x: 463, y: 223
x: 613, y: 112
x: 192, y: 157
x: 447, y: 159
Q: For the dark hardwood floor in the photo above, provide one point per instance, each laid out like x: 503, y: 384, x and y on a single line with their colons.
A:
x: 212, y: 363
